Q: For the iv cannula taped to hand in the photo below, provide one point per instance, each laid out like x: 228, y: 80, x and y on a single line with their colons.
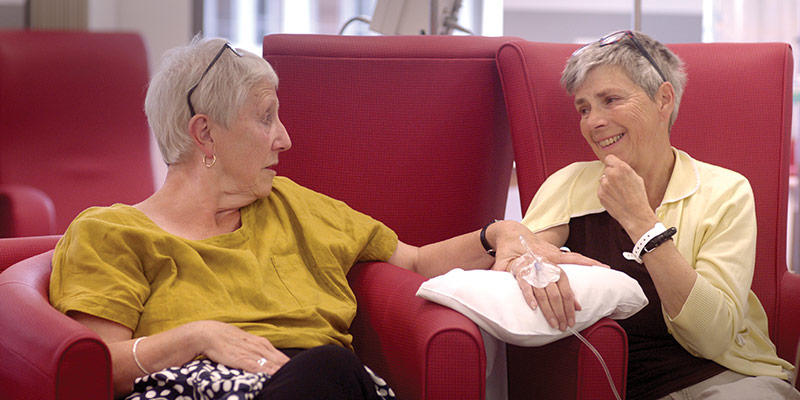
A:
x: 533, y: 269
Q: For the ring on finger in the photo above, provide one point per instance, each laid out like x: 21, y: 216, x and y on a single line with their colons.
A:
x: 261, y: 361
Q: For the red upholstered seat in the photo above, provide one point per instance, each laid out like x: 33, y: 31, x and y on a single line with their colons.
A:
x: 410, y: 130
x: 73, y: 133
x: 413, y: 131
x: 736, y: 112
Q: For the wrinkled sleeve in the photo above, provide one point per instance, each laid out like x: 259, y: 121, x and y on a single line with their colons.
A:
x: 373, y: 241
x: 724, y: 258
x: 96, y: 272
x: 337, y: 229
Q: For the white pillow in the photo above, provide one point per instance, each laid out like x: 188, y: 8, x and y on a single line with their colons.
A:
x: 493, y: 300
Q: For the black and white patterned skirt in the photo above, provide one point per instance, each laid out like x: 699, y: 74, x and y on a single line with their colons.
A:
x: 208, y: 380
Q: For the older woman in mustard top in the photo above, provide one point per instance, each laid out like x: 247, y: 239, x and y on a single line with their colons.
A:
x: 686, y: 230
x: 231, y: 272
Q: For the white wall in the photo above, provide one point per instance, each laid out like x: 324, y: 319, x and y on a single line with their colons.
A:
x: 162, y: 24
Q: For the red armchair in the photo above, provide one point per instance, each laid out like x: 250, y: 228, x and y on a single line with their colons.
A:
x: 45, y: 354
x: 413, y: 131
x: 73, y: 133
x: 410, y: 130
x: 736, y: 112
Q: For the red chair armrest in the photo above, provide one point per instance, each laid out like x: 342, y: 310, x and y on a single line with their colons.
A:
x: 567, y: 369
x: 788, y: 332
x: 424, y: 350
x: 25, y: 211
x: 13, y: 250
x: 44, y: 353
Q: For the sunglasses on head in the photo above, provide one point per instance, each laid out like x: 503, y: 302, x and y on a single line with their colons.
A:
x: 211, y: 64
x: 616, y: 37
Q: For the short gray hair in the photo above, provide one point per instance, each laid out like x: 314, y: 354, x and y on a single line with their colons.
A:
x: 625, y: 55
x: 220, y: 95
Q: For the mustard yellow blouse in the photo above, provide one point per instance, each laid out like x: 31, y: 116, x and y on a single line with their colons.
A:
x: 282, y: 275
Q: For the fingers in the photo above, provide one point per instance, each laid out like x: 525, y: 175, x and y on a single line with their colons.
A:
x: 271, y: 359
x: 236, y: 348
x: 556, y: 301
x: 498, y: 266
x: 551, y: 306
x: 569, y: 298
x: 575, y: 258
x: 527, y: 293
x: 263, y: 364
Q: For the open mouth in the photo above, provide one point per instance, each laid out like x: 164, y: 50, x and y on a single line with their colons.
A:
x: 608, y: 142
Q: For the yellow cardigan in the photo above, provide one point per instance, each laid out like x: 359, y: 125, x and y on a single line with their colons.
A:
x: 714, y: 212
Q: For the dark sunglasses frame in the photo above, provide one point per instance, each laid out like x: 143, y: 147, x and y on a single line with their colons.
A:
x: 211, y: 64
x: 616, y: 37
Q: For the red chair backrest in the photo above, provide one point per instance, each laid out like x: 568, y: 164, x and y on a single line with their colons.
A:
x: 735, y: 112
x: 71, y: 118
x: 410, y: 130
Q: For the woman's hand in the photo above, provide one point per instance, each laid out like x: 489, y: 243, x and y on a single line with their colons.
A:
x: 235, y: 348
x: 556, y: 300
x: 623, y: 194
x: 506, y: 239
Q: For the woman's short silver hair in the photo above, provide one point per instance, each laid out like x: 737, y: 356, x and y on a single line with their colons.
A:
x: 626, y: 55
x: 220, y: 94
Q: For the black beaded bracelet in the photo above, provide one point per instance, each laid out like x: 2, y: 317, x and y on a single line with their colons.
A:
x: 489, y: 250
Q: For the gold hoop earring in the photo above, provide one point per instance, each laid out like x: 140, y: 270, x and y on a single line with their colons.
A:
x: 211, y: 163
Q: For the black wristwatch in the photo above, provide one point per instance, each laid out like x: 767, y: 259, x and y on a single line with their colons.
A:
x: 489, y: 250
x: 659, y: 239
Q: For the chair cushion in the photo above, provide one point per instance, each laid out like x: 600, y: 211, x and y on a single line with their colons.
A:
x: 493, y: 300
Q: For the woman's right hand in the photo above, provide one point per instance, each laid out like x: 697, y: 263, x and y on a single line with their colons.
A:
x: 235, y: 348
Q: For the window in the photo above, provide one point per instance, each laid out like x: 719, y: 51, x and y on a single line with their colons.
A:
x: 245, y: 22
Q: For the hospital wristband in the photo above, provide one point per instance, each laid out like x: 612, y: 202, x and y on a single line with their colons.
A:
x: 657, y: 235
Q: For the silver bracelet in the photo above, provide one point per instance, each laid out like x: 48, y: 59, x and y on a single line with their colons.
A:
x: 136, y: 359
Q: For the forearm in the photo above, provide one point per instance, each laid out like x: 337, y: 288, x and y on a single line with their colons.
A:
x: 170, y: 348
x: 464, y: 251
x: 672, y: 276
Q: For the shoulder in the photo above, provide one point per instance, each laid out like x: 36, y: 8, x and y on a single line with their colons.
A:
x: 117, y: 214
x: 578, y: 170
x: 285, y: 187
x: 569, y: 192
x: 720, y: 181
x: 580, y: 176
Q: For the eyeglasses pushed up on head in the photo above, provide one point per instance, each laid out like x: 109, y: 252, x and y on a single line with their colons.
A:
x: 211, y: 64
x: 616, y: 37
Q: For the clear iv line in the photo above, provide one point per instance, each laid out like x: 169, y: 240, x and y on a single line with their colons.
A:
x: 599, y: 358
x: 537, y: 265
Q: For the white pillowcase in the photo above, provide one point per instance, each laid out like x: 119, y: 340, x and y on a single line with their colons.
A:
x: 493, y: 300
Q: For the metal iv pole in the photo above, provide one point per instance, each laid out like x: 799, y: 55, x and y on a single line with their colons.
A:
x: 636, y: 17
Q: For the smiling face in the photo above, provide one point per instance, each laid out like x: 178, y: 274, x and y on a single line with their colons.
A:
x: 618, y: 117
x: 248, y: 149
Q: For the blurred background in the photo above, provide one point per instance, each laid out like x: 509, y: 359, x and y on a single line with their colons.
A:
x: 167, y: 23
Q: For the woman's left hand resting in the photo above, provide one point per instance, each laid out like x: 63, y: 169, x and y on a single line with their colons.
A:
x: 218, y: 341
